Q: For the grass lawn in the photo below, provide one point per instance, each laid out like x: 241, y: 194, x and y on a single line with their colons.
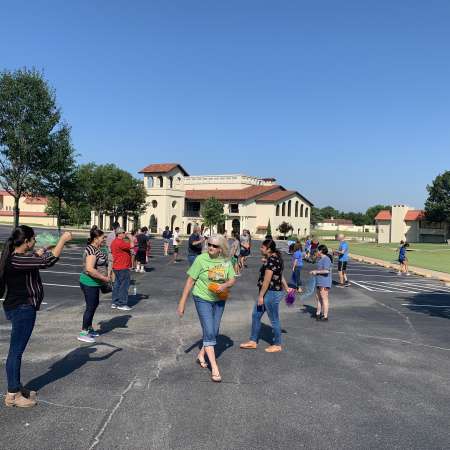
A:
x: 318, y: 233
x: 428, y: 256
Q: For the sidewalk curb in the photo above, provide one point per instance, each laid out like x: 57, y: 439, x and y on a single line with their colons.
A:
x: 440, y: 276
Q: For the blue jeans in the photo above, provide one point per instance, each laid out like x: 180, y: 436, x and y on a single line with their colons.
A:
x: 191, y: 259
x: 92, y: 298
x: 210, y: 315
x: 272, y: 301
x: 22, y: 320
x: 296, y: 280
x: 120, y: 288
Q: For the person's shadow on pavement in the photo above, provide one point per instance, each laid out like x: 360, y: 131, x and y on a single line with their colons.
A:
x: 105, y: 326
x: 266, y: 333
x: 223, y: 344
x: 70, y: 363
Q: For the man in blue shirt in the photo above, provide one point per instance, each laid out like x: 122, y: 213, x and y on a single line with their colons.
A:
x: 343, y: 252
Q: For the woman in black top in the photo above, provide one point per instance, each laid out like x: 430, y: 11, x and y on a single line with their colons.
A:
x: 271, y: 286
x: 19, y: 276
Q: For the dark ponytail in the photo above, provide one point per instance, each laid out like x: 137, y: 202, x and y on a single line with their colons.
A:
x: 94, y: 233
x: 272, y: 246
x: 21, y: 234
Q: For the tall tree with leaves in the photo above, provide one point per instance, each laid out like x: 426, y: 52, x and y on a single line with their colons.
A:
x: 437, y: 206
x: 212, y: 213
x: 373, y: 211
x: 58, y: 178
x: 285, y: 228
x: 28, y: 114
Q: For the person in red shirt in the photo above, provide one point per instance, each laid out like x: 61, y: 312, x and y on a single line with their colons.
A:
x: 121, y: 253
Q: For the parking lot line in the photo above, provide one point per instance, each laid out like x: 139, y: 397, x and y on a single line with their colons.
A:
x: 426, y: 306
x: 65, y: 273
x: 61, y: 285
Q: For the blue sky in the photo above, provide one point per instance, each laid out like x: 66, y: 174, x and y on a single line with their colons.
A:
x: 346, y: 101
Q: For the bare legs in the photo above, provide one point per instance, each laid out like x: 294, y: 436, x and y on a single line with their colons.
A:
x: 322, y: 302
x: 210, y: 353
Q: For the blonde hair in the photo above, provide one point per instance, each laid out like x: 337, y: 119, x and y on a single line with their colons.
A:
x: 222, y: 242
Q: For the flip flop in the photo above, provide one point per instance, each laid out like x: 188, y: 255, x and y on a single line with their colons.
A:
x: 216, y: 378
x: 203, y: 364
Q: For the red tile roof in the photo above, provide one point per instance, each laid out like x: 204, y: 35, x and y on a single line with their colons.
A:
x: 276, y: 196
x: 385, y: 214
x: 24, y: 214
x: 231, y: 194
x: 162, y: 168
x: 36, y: 200
x: 415, y: 214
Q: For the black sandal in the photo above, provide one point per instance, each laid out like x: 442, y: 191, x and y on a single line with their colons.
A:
x: 203, y: 364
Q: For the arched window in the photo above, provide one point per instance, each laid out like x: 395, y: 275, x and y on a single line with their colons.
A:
x: 306, y: 212
x: 301, y: 211
x: 277, y: 211
x: 161, y: 182
x: 171, y: 182
x: 154, y: 203
x: 289, y: 208
x: 153, y: 225
x: 296, y: 209
x: 283, y: 209
x: 174, y: 203
x: 189, y: 228
x: 149, y: 182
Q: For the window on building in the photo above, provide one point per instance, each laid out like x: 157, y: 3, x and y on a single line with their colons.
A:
x: 149, y: 182
x: 283, y: 209
x: 160, y: 181
x: 289, y: 208
x: 154, y: 203
x: 296, y: 209
x: 174, y: 203
x: 277, y: 210
x: 234, y: 208
x: 306, y: 212
x: 301, y: 211
x: 171, y: 182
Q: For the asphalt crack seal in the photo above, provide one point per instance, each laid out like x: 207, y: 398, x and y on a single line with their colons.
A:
x: 111, y: 414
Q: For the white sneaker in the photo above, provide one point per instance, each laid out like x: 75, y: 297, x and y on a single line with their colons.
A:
x: 124, y: 308
x: 113, y: 306
x: 142, y: 270
x: 85, y: 337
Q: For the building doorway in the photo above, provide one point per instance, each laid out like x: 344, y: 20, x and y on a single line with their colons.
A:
x: 172, y: 222
x: 236, y: 226
x: 153, y: 225
x: 189, y: 228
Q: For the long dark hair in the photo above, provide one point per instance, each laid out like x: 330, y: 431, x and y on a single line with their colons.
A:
x: 272, y: 246
x: 21, y: 234
x: 94, y: 233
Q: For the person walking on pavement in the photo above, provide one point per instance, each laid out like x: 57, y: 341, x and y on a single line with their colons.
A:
x: 271, y: 284
x: 176, y: 244
x: 93, y: 277
x: 210, y: 277
x: 109, y: 239
x: 20, y: 278
x: 167, y: 236
x: 141, y: 253
x: 121, y: 251
x: 343, y: 257
x: 195, y: 244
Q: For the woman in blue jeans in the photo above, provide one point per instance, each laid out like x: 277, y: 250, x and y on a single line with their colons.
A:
x: 271, y: 285
x: 19, y: 276
x: 210, y: 276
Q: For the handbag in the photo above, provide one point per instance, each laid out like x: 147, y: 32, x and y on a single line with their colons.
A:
x: 106, y: 288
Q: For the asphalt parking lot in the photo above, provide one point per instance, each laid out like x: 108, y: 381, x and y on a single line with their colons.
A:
x: 375, y: 376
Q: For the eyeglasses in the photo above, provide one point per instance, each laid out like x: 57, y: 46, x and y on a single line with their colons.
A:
x: 213, y: 245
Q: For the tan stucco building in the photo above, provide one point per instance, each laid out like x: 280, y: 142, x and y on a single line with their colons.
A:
x: 404, y: 223
x: 175, y: 199
x: 32, y: 210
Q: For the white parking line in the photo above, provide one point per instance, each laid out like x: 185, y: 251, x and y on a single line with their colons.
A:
x: 426, y: 306
x: 65, y: 273
x: 61, y: 285
x: 362, y: 285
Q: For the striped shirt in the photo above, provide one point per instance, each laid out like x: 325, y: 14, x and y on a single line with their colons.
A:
x: 23, y: 281
x: 101, y: 264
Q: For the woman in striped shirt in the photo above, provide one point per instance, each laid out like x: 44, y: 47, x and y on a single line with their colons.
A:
x: 94, y: 276
x: 19, y: 276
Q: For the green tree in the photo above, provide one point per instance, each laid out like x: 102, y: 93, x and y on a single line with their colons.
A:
x: 437, y: 206
x: 373, y: 211
x: 269, y: 229
x: 285, y: 228
x: 316, y: 215
x: 28, y: 114
x: 212, y: 213
x: 58, y: 175
x: 328, y: 212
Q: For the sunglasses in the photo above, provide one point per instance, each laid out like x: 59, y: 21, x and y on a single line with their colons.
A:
x: 213, y: 245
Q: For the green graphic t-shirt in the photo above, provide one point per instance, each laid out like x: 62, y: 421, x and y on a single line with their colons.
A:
x: 207, y: 270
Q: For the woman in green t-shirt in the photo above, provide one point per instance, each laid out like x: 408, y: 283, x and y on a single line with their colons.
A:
x: 209, y: 278
x: 94, y: 275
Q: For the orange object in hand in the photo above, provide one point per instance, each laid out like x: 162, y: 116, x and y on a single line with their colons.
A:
x: 221, y: 295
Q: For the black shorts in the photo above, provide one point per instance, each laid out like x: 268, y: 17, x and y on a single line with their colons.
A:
x: 176, y: 249
x: 342, y: 266
x: 141, y: 256
x: 245, y: 251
